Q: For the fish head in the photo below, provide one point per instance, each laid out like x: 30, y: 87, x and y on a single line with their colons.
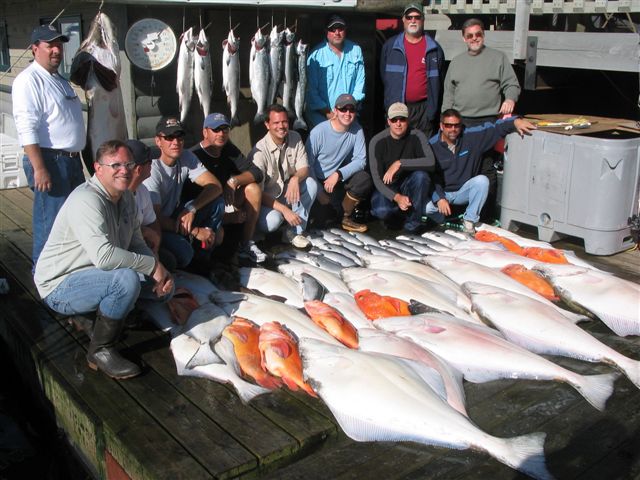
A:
x: 312, y: 289
x: 232, y: 43
x: 301, y: 48
x: 188, y: 39
x: 289, y: 36
x: 202, y: 45
x: 332, y: 321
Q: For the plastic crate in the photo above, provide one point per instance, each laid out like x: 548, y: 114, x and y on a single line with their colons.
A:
x: 578, y: 185
x: 11, y: 172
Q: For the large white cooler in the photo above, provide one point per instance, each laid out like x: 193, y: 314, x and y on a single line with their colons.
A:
x: 578, y: 185
x: 11, y: 171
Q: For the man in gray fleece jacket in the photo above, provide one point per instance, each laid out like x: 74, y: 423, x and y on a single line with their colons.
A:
x: 95, y: 258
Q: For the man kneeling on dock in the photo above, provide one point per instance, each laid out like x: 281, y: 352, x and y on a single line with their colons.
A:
x: 96, y: 260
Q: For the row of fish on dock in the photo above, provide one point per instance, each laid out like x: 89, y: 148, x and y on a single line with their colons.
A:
x: 277, y: 67
x: 384, y: 332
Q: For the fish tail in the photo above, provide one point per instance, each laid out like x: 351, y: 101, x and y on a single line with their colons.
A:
x: 300, y: 124
x: 247, y: 391
x: 597, y: 389
x: 524, y: 453
x: 630, y: 367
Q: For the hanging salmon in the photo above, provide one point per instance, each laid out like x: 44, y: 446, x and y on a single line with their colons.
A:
x: 202, y: 76
x: 231, y: 73
x: 184, y: 85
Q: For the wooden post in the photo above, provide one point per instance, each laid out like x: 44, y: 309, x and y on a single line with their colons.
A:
x: 521, y: 29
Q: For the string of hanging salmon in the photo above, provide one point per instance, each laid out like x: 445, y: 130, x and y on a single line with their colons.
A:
x: 277, y: 71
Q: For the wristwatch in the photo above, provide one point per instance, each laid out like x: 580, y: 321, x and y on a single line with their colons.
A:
x: 191, y: 208
x: 233, y: 181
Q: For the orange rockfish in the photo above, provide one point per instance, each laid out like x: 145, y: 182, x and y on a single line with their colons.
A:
x: 333, y: 322
x: 547, y: 255
x: 245, y: 335
x: 485, y: 236
x: 531, y: 279
x: 280, y: 356
x: 378, y: 306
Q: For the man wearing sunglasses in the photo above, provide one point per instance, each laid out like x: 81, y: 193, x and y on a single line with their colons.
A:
x: 200, y: 218
x: 240, y: 179
x: 334, y: 67
x: 400, y: 159
x: 459, y: 153
x: 48, y: 118
x: 338, y: 155
x: 92, y: 262
x: 410, y: 66
x: 481, y: 85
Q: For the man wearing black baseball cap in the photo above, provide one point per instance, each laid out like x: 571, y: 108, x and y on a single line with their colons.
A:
x: 239, y: 177
x: 334, y: 67
x: 48, y: 118
x: 200, y: 218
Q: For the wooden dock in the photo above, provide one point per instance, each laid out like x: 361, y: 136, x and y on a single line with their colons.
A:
x: 160, y: 425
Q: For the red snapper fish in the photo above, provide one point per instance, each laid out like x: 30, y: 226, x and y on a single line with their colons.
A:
x: 280, y: 356
x: 333, y: 322
x: 376, y: 306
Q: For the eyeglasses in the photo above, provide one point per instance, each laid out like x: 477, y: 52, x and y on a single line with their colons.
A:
x: 336, y: 29
x: 171, y: 138
x: 469, y: 36
x: 349, y: 109
x: 220, y: 129
x: 118, y: 166
x: 398, y: 119
x: 413, y: 17
x: 452, y: 125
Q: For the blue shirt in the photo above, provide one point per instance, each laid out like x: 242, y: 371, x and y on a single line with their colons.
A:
x: 328, y: 150
x: 330, y: 75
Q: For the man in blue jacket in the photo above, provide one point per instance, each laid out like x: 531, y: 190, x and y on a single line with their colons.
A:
x: 411, y: 67
x: 459, y: 153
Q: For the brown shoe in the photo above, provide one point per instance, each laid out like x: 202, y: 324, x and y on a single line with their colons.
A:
x: 350, y: 225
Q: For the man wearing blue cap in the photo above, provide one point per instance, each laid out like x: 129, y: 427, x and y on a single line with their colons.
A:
x: 334, y: 67
x: 48, y: 118
x: 239, y: 178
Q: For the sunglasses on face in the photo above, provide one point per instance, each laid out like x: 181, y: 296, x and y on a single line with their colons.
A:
x: 220, y: 129
x: 347, y: 109
x: 469, y: 36
x: 171, y: 138
x: 398, y: 119
x: 413, y: 17
x: 452, y: 125
x: 118, y: 166
x: 336, y: 29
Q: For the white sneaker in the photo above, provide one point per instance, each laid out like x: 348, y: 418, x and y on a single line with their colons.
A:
x: 297, y: 240
x: 468, y: 227
x: 251, y: 251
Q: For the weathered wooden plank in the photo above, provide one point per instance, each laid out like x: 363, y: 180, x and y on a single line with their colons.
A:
x: 21, y: 198
x: 95, y: 411
x: 264, y: 439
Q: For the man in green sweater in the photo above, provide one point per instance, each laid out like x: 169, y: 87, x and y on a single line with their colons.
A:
x: 481, y: 85
x: 96, y: 260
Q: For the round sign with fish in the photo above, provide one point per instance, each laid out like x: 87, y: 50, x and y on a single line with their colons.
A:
x: 150, y: 44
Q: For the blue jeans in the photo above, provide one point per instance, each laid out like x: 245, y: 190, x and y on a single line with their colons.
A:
x: 66, y: 174
x: 473, y: 192
x: 269, y: 220
x: 416, y: 186
x: 113, y: 292
x: 209, y: 216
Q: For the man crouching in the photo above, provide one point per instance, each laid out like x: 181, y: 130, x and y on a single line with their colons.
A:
x: 93, y: 257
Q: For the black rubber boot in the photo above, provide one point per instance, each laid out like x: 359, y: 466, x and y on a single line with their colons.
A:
x: 102, y: 354
x: 83, y: 323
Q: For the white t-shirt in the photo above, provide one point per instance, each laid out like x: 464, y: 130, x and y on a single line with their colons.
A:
x: 146, y: 214
x: 165, y: 183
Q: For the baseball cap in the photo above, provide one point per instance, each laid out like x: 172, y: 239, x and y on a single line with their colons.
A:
x: 344, y: 100
x: 169, y: 125
x: 398, y: 109
x: 141, y: 153
x: 215, y: 120
x: 412, y: 6
x: 335, y: 20
x: 47, y: 33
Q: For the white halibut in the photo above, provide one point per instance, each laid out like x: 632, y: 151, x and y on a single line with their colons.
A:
x: 482, y: 355
x: 614, y: 301
x: 272, y: 284
x: 377, y: 397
